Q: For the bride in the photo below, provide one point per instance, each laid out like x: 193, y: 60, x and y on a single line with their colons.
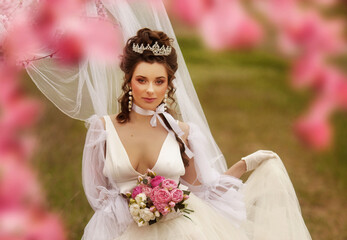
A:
x: 160, y: 126
x: 144, y: 135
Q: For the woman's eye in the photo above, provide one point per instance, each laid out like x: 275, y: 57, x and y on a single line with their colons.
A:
x: 160, y: 82
x: 141, y: 80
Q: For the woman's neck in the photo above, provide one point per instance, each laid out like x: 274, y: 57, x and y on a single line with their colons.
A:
x: 136, y: 117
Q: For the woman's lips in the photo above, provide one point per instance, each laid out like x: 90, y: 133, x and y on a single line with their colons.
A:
x: 149, y: 100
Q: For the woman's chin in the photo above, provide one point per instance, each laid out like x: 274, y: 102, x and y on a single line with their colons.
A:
x: 148, y: 106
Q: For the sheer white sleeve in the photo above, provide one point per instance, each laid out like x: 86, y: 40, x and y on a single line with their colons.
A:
x: 221, y: 191
x: 111, y: 215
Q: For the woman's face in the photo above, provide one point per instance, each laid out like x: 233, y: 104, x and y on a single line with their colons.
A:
x: 149, y: 84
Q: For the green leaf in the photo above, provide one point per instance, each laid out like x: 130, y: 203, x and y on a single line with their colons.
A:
x: 187, y: 217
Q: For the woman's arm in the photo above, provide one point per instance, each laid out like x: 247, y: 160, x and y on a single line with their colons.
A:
x: 190, y: 175
x: 222, y: 191
x: 237, y: 170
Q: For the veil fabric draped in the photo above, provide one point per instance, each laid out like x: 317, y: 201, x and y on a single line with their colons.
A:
x: 90, y: 91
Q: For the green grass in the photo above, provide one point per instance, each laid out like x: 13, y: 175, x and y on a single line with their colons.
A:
x: 249, y: 106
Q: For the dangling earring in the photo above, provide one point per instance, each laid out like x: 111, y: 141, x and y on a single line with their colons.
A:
x: 164, y: 100
x: 130, y: 102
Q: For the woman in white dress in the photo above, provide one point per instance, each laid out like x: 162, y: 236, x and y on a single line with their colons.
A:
x: 144, y: 135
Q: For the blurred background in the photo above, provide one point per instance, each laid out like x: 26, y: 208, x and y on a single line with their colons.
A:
x: 270, y: 84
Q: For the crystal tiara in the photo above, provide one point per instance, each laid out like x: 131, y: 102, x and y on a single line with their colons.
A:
x: 158, y: 51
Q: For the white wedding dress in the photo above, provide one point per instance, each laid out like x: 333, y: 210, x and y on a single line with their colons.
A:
x: 264, y: 208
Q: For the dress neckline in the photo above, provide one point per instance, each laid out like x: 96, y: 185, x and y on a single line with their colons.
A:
x: 126, y: 153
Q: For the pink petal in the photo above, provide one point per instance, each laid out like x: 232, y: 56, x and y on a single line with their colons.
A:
x: 310, y: 32
x: 192, y: 11
x: 226, y: 25
x: 22, y: 113
x: 18, y: 186
x: 314, y: 133
x: 306, y: 70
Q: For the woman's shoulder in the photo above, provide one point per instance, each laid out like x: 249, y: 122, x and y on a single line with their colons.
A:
x: 112, y: 118
x: 185, y: 128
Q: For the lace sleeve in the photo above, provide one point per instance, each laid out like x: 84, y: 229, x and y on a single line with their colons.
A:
x: 223, y: 192
x: 111, y: 215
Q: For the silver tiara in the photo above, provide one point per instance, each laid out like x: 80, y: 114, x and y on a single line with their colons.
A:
x: 158, y: 51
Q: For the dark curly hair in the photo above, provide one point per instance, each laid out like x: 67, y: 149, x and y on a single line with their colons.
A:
x: 129, y: 61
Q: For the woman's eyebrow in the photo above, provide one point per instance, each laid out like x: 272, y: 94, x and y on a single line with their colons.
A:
x: 141, y: 76
x: 146, y: 77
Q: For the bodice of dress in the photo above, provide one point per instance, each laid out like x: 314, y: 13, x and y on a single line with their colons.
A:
x: 118, y: 166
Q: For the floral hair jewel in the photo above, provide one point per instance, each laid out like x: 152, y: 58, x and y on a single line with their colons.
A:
x: 158, y: 51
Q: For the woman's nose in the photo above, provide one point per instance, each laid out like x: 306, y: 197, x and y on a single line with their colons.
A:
x: 150, y: 89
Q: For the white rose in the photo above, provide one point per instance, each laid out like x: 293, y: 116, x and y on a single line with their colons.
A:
x: 146, y: 214
x: 136, y: 218
x: 134, y: 209
x: 140, y: 198
x: 142, y: 205
x: 142, y: 223
x: 157, y: 213
x: 153, y: 216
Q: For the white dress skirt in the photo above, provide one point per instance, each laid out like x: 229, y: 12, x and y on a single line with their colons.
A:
x: 205, y: 224
x: 271, y: 206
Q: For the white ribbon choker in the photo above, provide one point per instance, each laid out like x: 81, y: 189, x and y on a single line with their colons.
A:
x: 173, y: 123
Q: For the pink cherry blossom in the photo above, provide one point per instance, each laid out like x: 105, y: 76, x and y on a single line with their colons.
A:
x: 92, y: 38
x: 23, y: 113
x: 341, y: 94
x: 306, y: 69
x: 314, y: 132
x: 192, y: 11
x: 308, y: 32
x: 49, y: 226
x: 277, y: 11
x: 31, y: 224
x: 18, y: 185
x: 20, y: 42
x: 9, y: 90
x: 226, y: 25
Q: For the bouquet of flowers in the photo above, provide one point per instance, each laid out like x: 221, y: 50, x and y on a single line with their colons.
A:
x: 155, y: 197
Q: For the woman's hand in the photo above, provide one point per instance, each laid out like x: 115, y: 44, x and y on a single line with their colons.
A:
x: 255, y: 159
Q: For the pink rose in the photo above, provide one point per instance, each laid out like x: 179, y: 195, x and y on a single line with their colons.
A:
x: 152, y: 209
x: 136, y: 191
x: 172, y: 204
x: 154, y: 193
x: 165, y: 211
x: 163, y: 208
x: 162, y: 196
x: 157, y: 180
x: 177, y: 195
x: 169, y: 184
x: 147, y: 190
